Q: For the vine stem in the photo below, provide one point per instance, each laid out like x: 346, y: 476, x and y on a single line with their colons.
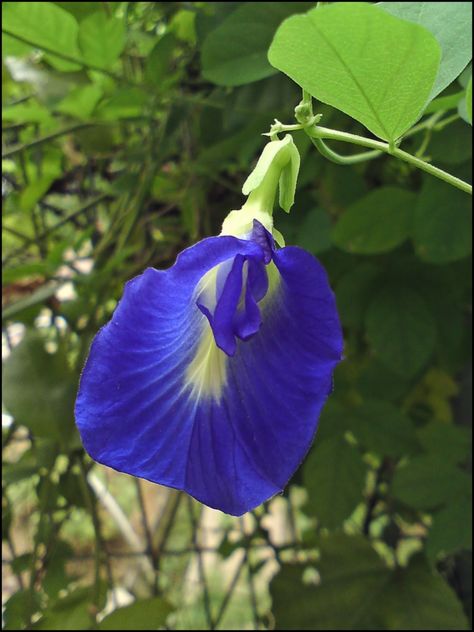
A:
x: 331, y: 134
x: 308, y: 122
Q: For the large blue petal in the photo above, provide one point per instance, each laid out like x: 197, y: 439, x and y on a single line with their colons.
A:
x: 233, y: 448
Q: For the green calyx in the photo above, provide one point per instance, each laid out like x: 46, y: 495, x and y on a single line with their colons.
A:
x: 277, y: 168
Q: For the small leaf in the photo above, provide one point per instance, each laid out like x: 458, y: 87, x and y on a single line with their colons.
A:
x: 44, y: 24
x: 381, y: 427
x: 377, y: 223
x: 314, y: 232
x: 449, y: 442
x: 39, y: 389
x: 101, y: 39
x: 80, y: 103
x: 144, y: 614
x: 442, y: 224
x: 356, y: 57
x: 427, y: 482
x: 401, y: 329
x: 469, y: 100
x: 451, y: 530
x: 159, y: 59
x: 451, y: 24
x: 235, y: 52
x: 354, y: 292
x: 19, y: 608
x: 351, y: 574
x: 334, y: 475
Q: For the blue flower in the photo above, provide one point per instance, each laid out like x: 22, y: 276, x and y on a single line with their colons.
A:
x: 211, y: 375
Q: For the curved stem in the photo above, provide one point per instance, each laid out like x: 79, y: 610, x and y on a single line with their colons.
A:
x: 355, y: 139
x: 339, y: 159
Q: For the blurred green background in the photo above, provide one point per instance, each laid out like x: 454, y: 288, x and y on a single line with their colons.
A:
x: 125, y: 139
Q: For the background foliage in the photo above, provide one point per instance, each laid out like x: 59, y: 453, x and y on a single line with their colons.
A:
x: 128, y: 130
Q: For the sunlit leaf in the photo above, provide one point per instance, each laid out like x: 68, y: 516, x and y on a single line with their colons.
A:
x: 356, y: 57
x: 451, y: 24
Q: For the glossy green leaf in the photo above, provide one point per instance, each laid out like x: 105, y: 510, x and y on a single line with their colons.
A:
x: 377, y: 223
x: 451, y: 24
x: 44, y: 25
x: 334, y: 475
x: 356, y: 57
x: 101, y: 39
x: 235, y: 52
x: 401, y: 329
x: 427, y: 481
x: 38, y: 389
x: 442, y: 224
x: 382, y: 428
x: 144, y: 614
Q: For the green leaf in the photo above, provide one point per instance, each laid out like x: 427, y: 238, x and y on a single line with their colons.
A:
x: 80, y: 103
x: 377, y: 378
x: 416, y: 598
x: 19, y: 608
x: 124, y: 103
x: 101, y: 39
x: 469, y: 100
x: 159, y: 59
x: 381, y: 427
x: 451, y: 145
x: 31, y: 112
x: 80, y: 9
x: 427, y: 482
x: 354, y: 292
x: 356, y: 591
x: 401, y: 329
x: 334, y: 475
x: 351, y: 574
x: 451, y: 530
x: 39, y: 389
x: 44, y: 24
x: 72, y: 612
x: 144, y: 614
x: 442, y: 224
x: 451, y: 24
x: 377, y: 223
x: 235, y: 52
x: 314, y: 232
x: 356, y: 57
x: 449, y: 442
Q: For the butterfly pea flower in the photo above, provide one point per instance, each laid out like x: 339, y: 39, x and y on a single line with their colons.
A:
x: 211, y: 375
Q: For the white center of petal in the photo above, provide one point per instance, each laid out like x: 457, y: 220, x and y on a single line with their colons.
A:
x: 206, y: 375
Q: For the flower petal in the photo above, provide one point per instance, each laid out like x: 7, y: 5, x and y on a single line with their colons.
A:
x: 158, y: 399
